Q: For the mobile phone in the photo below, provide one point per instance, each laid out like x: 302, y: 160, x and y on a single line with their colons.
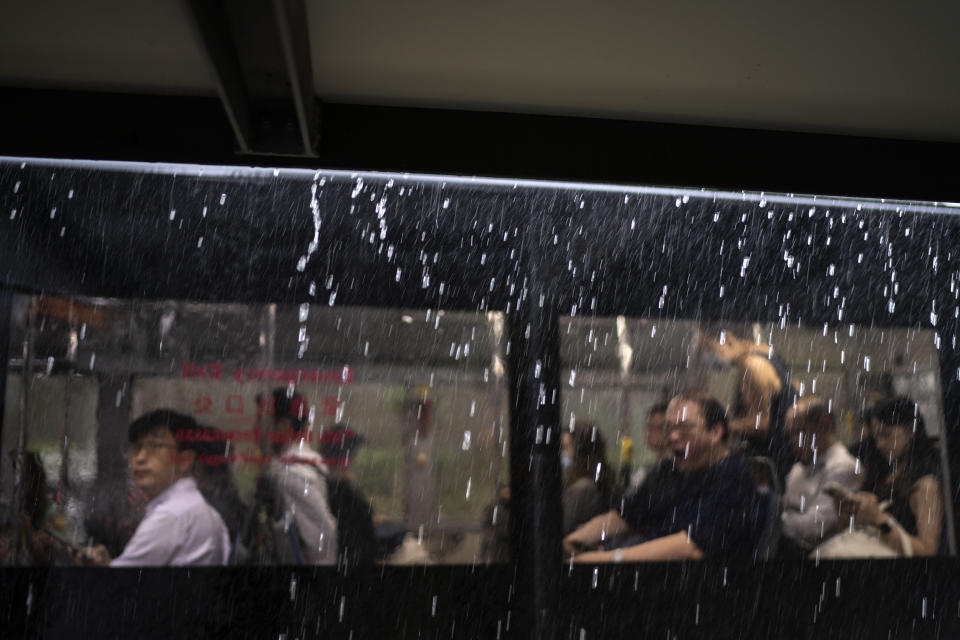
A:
x: 837, y: 490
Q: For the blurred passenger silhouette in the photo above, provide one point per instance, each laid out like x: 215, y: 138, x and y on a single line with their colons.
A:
x: 587, y: 482
x: 656, y: 442
x: 356, y: 539
x: 902, y: 499
x: 764, y: 393
x: 823, y: 464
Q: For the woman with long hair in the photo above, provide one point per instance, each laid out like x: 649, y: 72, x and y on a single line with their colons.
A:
x: 902, y: 496
x: 587, y: 480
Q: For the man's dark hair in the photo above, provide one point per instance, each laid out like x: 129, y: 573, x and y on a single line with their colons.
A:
x: 291, y: 405
x: 813, y: 411
x: 713, y: 412
x: 660, y: 407
x: 176, y: 423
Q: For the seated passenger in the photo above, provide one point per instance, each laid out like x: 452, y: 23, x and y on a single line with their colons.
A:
x: 300, y: 478
x: 703, y: 505
x: 586, y: 475
x: 902, y: 496
x: 809, y: 505
x: 356, y: 537
x: 216, y: 481
x: 179, y: 527
x: 657, y: 443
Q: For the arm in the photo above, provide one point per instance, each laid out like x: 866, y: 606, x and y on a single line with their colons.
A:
x: 756, y: 391
x: 927, y: 506
x: 153, y: 543
x: 819, y: 519
x: 595, y: 530
x: 676, y: 546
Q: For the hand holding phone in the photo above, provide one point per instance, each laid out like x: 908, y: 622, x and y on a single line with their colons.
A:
x: 837, y: 490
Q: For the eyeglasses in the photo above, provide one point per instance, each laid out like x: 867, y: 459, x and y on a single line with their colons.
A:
x: 683, y: 428
x: 152, y: 447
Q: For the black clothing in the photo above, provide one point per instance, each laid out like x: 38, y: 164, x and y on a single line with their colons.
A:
x: 774, y: 443
x: 356, y: 538
x: 718, y: 507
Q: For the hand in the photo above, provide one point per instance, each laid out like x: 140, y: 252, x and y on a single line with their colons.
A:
x: 573, y: 544
x: 864, y: 507
x: 593, y: 557
x: 97, y: 556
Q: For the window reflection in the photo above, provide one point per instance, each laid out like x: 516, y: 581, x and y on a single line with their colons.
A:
x: 315, y: 435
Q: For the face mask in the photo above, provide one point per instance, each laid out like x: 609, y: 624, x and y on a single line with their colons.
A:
x: 566, y: 462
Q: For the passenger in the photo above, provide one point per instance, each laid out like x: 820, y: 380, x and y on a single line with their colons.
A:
x: 703, y: 505
x: 763, y: 397
x: 809, y: 505
x: 26, y: 539
x: 902, y: 496
x: 216, y: 482
x: 357, y: 541
x: 587, y: 482
x: 656, y: 441
x: 299, y: 476
x: 179, y: 527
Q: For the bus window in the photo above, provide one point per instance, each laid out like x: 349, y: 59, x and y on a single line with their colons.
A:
x: 394, y: 419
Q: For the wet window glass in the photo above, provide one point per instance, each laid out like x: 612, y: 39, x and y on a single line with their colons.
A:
x: 816, y: 420
x: 317, y: 435
x: 550, y: 385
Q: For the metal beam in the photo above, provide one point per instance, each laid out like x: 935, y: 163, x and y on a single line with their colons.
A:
x: 212, y: 30
x: 291, y: 18
x: 259, y: 54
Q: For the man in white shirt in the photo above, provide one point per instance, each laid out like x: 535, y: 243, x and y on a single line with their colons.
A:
x: 179, y: 527
x: 809, y: 510
x: 300, y: 477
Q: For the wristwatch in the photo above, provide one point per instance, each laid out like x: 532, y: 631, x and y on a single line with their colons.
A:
x: 617, y: 555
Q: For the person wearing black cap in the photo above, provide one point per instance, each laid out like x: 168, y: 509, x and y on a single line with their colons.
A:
x: 179, y: 526
x: 356, y: 534
x: 299, y: 475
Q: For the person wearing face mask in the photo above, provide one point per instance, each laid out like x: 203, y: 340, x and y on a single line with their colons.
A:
x: 587, y: 481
